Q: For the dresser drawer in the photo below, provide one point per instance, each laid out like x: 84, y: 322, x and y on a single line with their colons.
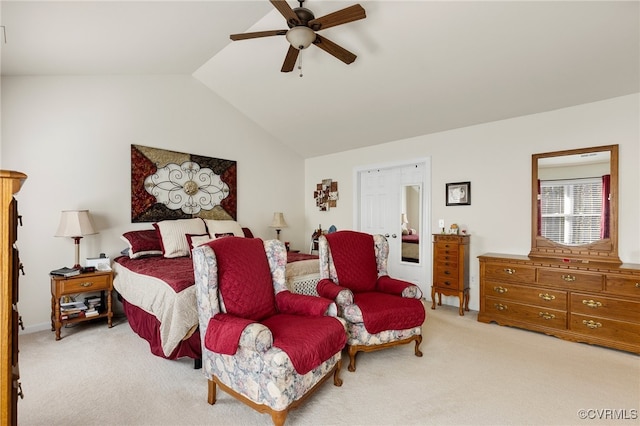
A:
x: 570, y: 280
x: 605, y: 328
x: 622, y: 286
x: 448, y: 256
x: 526, y: 313
x: 83, y: 284
x: 605, y: 307
x: 506, y: 272
x: 543, y: 298
x: 447, y: 278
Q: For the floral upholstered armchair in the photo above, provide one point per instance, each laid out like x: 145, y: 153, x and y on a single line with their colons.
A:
x: 262, y: 344
x: 380, y: 311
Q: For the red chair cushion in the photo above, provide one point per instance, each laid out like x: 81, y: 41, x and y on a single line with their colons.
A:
x: 244, y: 277
x: 308, y: 341
x: 354, y: 257
x: 382, y: 311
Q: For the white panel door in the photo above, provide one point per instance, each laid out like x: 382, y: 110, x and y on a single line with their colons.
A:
x: 380, y: 206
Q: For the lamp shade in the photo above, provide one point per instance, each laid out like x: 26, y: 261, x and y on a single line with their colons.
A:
x: 278, y: 221
x: 404, y: 218
x: 301, y: 37
x: 75, y: 223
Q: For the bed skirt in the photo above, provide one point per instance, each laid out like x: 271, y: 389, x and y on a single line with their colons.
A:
x: 147, y: 326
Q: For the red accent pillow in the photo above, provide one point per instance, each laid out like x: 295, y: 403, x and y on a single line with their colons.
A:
x: 244, y: 277
x: 354, y: 256
x: 143, y: 243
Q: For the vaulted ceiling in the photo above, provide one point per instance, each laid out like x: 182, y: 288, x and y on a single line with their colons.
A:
x: 422, y: 66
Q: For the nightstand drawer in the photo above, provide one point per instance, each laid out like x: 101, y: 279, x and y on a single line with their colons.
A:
x: 81, y: 284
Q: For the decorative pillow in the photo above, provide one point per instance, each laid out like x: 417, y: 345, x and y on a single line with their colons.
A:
x: 173, y: 235
x: 216, y: 227
x: 226, y: 234
x: 142, y: 243
x: 197, y: 240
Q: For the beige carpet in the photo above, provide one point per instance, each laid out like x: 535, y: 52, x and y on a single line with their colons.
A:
x: 471, y: 374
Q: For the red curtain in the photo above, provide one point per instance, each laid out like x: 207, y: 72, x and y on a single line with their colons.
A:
x: 606, y: 209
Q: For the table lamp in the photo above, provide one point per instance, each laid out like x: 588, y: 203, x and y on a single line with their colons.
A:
x: 278, y: 223
x: 75, y: 224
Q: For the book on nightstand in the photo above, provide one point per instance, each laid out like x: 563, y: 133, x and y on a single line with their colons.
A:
x: 65, y: 272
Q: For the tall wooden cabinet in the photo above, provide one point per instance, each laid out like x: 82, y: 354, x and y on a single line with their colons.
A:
x: 582, y: 302
x: 451, y: 269
x: 10, y: 183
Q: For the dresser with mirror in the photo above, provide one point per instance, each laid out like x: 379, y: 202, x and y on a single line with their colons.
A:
x: 572, y: 284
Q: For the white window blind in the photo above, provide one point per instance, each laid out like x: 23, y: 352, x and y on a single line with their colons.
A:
x: 571, y: 210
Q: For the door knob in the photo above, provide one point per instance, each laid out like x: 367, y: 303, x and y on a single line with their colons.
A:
x: 394, y: 236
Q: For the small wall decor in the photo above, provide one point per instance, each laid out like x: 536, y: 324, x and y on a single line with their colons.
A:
x: 458, y: 194
x: 174, y: 185
x: 326, y: 194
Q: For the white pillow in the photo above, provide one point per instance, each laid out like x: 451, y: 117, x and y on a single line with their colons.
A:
x: 221, y: 227
x: 198, y: 240
x: 174, y: 235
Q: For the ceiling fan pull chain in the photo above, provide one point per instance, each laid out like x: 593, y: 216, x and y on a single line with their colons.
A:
x: 300, y: 63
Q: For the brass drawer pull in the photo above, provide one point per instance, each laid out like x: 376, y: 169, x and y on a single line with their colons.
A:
x: 637, y: 285
x: 592, y: 303
x: 548, y: 297
x: 569, y: 278
x: 509, y: 271
x: 86, y: 284
x: 591, y: 324
x: 500, y: 289
x: 500, y: 307
x: 546, y: 315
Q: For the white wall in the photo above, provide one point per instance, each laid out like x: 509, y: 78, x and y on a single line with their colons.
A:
x: 72, y: 137
x: 496, y: 159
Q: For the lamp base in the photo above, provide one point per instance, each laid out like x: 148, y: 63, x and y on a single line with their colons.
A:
x: 77, y: 244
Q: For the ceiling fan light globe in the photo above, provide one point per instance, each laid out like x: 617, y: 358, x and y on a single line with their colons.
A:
x: 301, y: 37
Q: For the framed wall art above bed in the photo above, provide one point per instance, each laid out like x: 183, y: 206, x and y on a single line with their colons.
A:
x: 175, y: 185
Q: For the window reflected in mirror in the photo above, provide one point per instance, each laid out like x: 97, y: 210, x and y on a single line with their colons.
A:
x: 574, y: 194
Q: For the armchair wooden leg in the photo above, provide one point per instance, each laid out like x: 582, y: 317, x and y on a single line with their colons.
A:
x: 418, y: 341
x: 337, y: 381
x: 211, y: 396
x: 279, y: 417
x: 352, y: 357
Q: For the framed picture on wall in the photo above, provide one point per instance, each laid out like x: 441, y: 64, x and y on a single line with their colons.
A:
x: 458, y: 193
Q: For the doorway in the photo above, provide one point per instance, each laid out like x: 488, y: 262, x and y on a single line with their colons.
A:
x: 395, y: 200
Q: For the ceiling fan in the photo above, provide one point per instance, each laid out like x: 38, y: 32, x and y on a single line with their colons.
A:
x: 302, y: 31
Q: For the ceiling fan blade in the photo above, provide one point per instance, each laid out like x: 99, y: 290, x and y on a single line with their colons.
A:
x: 290, y: 59
x: 244, y: 36
x: 343, y: 16
x: 333, y: 49
x: 286, y: 11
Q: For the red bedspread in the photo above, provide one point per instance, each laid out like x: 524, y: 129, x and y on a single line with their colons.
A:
x: 177, y: 272
x: 295, y: 257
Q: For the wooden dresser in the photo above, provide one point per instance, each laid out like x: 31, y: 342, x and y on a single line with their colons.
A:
x: 582, y: 302
x: 451, y: 269
x: 10, y: 183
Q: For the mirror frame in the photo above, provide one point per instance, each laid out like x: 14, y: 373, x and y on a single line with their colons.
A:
x: 605, y: 250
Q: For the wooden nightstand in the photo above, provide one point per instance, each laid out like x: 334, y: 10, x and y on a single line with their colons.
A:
x: 101, y: 281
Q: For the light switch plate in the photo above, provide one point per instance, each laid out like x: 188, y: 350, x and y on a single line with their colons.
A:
x: 441, y: 223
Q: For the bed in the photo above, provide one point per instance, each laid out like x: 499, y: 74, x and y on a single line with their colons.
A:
x: 158, y: 292
x: 411, y: 248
